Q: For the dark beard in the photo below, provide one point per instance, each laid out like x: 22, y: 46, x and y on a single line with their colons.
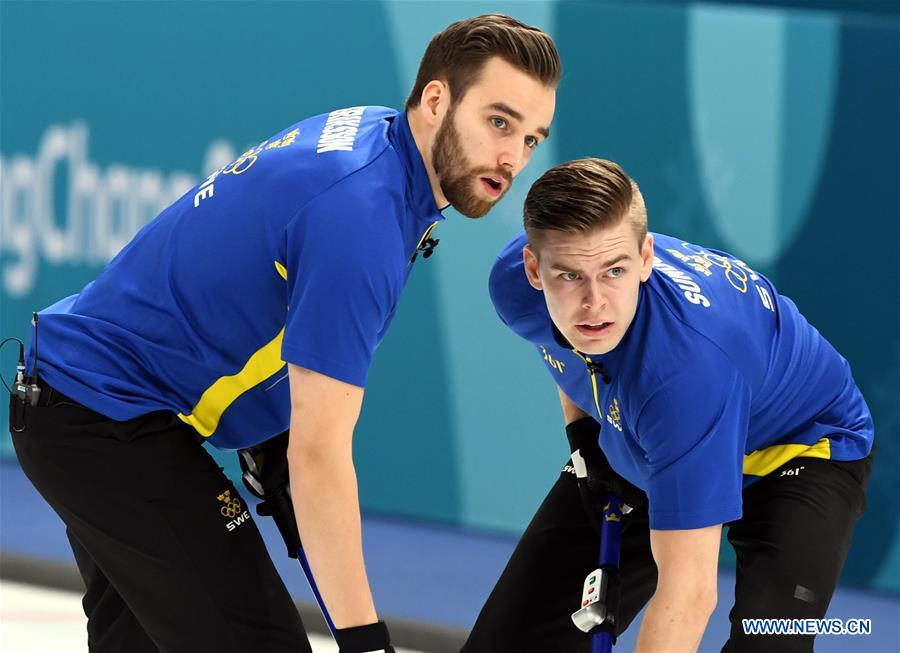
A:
x: 457, y: 179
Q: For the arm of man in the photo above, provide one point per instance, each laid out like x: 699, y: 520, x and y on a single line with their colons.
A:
x: 685, y: 594
x: 693, y: 434
x: 324, y: 412
x: 571, y: 412
x: 595, y: 475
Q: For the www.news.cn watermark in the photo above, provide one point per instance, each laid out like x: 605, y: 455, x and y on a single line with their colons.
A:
x: 807, y: 626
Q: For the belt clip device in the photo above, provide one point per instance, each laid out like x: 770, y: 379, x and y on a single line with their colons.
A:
x: 28, y: 392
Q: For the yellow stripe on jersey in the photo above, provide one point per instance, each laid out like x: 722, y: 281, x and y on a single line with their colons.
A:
x: 426, y: 235
x: 587, y: 360
x: 765, y: 461
x: 220, y: 395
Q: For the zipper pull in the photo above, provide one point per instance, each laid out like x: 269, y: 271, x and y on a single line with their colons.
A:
x: 597, y: 368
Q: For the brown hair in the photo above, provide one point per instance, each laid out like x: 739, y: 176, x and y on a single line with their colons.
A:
x: 457, y: 54
x: 582, y: 195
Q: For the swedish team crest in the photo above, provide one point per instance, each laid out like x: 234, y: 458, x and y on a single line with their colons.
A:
x: 613, y: 415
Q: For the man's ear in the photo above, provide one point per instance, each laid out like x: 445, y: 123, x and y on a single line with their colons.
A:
x: 531, y: 267
x: 435, y: 102
x: 647, y: 257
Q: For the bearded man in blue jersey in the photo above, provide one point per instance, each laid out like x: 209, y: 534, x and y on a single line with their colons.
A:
x: 250, y: 306
x: 713, y: 401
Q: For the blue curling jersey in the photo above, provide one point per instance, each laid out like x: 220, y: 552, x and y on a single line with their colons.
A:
x: 295, y: 252
x: 718, y: 381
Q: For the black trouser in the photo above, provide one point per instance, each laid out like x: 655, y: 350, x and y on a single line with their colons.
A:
x: 790, y: 543
x: 170, y: 557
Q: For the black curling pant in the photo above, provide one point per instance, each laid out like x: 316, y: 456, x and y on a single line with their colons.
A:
x: 791, y: 543
x: 171, y: 559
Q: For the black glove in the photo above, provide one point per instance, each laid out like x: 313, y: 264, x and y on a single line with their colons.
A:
x: 265, y: 474
x: 362, y: 639
x: 595, y: 476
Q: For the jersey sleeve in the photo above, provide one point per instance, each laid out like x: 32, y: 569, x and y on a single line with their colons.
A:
x: 692, y: 430
x: 519, y: 306
x: 342, y: 284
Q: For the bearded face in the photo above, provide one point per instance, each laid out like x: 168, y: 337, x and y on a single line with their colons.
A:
x: 472, y: 190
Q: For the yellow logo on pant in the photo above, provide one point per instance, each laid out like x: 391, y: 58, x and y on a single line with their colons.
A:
x: 233, y: 510
x: 232, y: 506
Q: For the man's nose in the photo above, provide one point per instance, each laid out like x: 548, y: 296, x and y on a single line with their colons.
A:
x: 511, y: 160
x: 593, y: 297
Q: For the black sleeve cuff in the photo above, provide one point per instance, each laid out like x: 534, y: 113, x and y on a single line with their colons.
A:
x: 371, y: 637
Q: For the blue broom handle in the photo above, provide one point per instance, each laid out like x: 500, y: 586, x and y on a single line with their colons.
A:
x: 304, y: 563
x: 610, y: 545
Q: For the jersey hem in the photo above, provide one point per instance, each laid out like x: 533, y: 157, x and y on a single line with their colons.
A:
x: 331, y: 368
x: 95, y: 401
x: 673, y: 521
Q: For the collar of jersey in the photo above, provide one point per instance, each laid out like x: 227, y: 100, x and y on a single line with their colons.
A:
x: 418, y: 187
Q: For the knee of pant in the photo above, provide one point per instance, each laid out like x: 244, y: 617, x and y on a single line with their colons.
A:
x: 781, y: 597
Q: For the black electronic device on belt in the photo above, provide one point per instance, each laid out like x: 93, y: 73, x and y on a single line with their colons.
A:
x: 24, y: 391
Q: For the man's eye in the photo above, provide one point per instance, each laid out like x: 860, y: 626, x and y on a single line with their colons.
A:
x: 569, y: 276
x: 616, y: 272
x: 498, y: 122
x: 531, y: 142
